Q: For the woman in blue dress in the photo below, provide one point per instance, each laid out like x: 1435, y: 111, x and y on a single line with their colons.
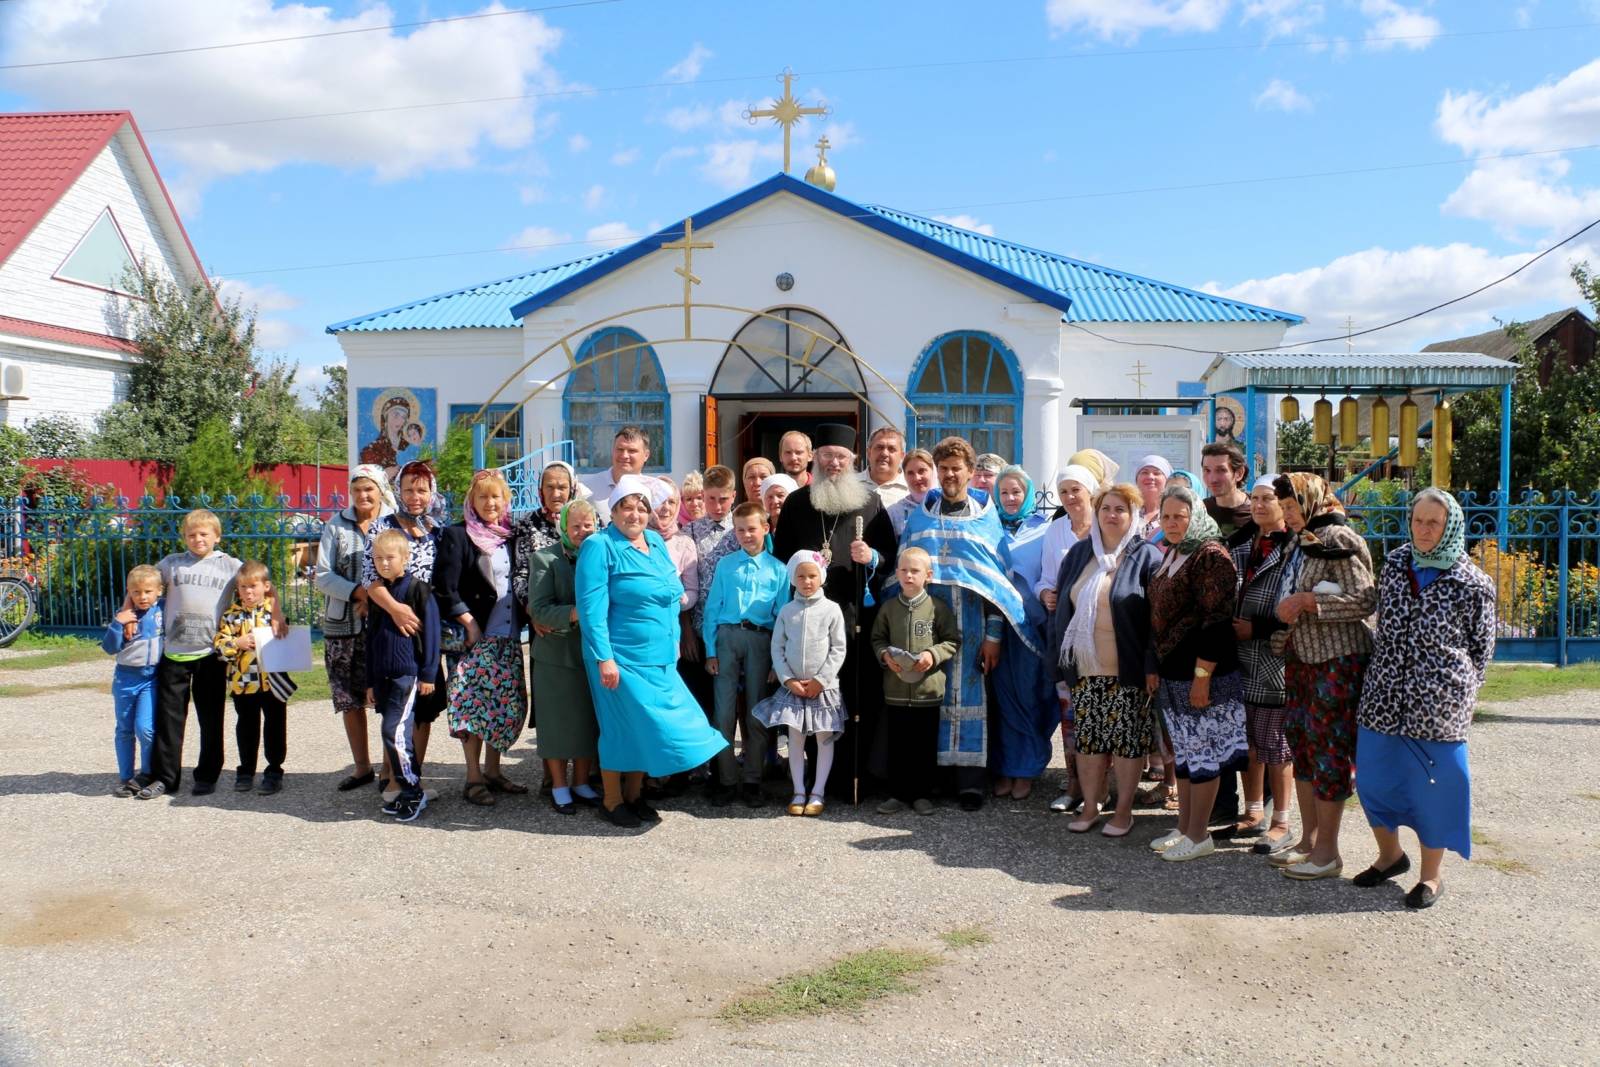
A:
x: 628, y: 598
x: 1028, y: 713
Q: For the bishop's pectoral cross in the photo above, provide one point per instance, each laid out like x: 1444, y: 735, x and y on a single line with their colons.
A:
x: 786, y: 111
x: 688, y: 244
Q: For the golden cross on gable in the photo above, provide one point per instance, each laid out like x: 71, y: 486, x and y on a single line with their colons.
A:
x: 1139, y: 373
x: 688, y: 244
x: 786, y: 111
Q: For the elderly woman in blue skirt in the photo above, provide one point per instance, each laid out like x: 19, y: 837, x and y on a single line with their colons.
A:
x: 1435, y: 636
x: 629, y: 594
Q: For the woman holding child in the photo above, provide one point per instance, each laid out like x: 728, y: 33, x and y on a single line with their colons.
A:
x: 488, y: 691
x: 344, y: 609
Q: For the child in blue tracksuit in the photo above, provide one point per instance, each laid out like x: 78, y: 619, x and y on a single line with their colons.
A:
x: 134, y: 637
x: 401, y: 668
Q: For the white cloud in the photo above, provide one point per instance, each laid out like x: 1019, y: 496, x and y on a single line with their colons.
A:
x: 684, y: 119
x: 1126, y: 19
x: 730, y: 164
x: 967, y: 222
x: 1377, y: 285
x: 578, y: 144
x: 1280, y: 95
x: 1282, y: 18
x: 261, y: 301
x: 593, y: 197
x: 495, y: 57
x: 672, y: 155
x: 612, y: 234
x: 1394, y: 20
x: 536, y: 240
x: 1512, y: 194
x: 688, y: 68
x: 625, y: 157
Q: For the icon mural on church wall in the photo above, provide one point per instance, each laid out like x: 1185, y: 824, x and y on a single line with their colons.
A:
x: 1229, y: 422
x: 396, y: 423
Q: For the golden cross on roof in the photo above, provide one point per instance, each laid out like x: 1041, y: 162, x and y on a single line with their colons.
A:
x: 786, y: 111
x: 688, y: 244
x: 1139, y: 373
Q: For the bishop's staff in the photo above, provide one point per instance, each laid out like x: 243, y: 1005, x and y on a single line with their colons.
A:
x: 855, y: 702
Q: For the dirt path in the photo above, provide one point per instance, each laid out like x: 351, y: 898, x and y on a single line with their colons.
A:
x: 303, y: 929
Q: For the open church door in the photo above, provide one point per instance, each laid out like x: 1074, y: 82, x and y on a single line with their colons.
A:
x: 708, y: 432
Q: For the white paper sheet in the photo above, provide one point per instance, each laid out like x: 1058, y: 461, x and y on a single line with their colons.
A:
x: 286, y: 654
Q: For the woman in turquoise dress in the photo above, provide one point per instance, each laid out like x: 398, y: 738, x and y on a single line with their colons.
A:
x: 628, y: 598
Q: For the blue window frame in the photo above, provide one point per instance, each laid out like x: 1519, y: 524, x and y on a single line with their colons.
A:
x: 505, y: 446
x: 967, y: 384
x: 624, y: 386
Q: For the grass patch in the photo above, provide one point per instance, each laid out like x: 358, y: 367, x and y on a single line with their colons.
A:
x: 51, y: 650
x: 637, y: 1034
x: 1589, y: 796
x: 23, y: 689
x: 966, y: 937
x: 1508, y: 683
x: 1504, y: 865
x: 844, y: 986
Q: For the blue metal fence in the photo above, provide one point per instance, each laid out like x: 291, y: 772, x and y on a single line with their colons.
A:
x: 1545, y: 560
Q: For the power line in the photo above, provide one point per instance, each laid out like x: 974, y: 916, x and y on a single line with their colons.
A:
x: 1346, y: 172
x: 305, y: 36
x: 831, y: 72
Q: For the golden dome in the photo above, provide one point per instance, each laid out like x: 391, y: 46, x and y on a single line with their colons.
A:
x: 822, y: 175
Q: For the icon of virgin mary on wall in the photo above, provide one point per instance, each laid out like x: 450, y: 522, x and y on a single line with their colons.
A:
x: 402, y: 421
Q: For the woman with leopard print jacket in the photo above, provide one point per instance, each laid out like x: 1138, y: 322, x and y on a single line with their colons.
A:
x: 1436, y: 627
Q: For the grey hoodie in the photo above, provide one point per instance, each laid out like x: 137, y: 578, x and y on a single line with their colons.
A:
x: 197, y: 593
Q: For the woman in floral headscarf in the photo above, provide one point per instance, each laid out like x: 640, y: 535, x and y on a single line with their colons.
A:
x: 344, y: 609
x: 1435, y: 635
x: 541, y: 527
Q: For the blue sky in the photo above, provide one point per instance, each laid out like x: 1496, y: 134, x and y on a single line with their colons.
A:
x: 1014, y: 116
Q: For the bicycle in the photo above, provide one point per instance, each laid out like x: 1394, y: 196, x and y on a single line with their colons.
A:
x: 19, y: 605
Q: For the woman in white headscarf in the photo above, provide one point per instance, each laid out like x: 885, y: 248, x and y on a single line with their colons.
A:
x: 1151, y: 478
x: 344, y: 609
x: 1076, y: 487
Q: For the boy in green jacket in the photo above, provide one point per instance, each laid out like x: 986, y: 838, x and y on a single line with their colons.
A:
x: 913, y: 635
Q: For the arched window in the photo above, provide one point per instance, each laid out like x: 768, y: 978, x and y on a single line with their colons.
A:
x: 752, y: 363
x: 623, y: 387
x: 967, y: 384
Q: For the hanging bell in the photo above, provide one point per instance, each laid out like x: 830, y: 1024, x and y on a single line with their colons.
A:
x: 1443, y: 440
x: 1322, y: 422
x: 1408, y: 433
x: 1288, y: 409
x: 1380, y: 428
x: 1349, y: 422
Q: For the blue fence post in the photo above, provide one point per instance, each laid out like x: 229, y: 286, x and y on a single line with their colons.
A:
x: 480, y: 441
x: 1505, y: 463
x: 1249, y: 432
x: 1562, y: 558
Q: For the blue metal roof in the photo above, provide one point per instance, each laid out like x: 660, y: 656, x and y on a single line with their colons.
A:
x: 1083, y: 292
x: 1289, y: 371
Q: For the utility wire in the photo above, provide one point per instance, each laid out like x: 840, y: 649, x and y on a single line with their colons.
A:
x: 305, y: 36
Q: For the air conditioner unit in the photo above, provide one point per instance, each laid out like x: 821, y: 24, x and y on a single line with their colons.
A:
x: 13, y: 381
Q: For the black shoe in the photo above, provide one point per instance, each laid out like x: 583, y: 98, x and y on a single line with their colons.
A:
x: 569, y: 808
x: 271, y: 782
x: 971, y: 800
x: 356, y: 781
x: 243, y: 783
x: 1422, y: 897
x: 620, y: 816
x: 202, y: 789
x: 752, y: 795
x: 391, y: 807
x: 587, y: 802
x: 646, y: 813
x: 720, y: 796
x: 410, y: 807
x: 1372, y: 876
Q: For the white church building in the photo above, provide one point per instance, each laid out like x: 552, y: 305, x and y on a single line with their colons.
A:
x: 80, y: 203
x: 953, y: 332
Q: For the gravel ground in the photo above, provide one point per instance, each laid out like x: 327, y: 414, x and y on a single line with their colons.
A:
x: 305, y: 929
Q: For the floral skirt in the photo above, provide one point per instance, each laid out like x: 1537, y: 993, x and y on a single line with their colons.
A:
x: 489, y: 692
x: 1112, y: 719
x: 1207, y: 741
x: 346, y: 660
x: 822, y: 715
x: 1321, y: 724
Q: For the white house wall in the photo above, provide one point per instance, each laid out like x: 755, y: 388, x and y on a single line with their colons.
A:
x: 62, y: 382
x: 28, y: 289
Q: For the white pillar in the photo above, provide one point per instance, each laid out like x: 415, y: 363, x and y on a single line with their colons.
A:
x: 1042, y: 447
x: 684, y: 418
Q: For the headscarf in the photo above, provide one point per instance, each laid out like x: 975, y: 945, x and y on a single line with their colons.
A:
x: 1266, y: 481
x: 561, y: 528
x: 1078, y: 642
x: 579, y: 490
x: 661, y: 491
x: 488, y: 537
x: 1160, y: 463
x: 1011, y: 519
x: 1202, y: 527
x: 1454, y: 540
x: 1179, y: 472
x: 1074, y: 472
x: 804, y: 556
x: 1319, y: 507
x: 780, y: 478
x: 630, y: 485
x: 1102, y: 466
x: 990, y: 461
x: 374, y: 474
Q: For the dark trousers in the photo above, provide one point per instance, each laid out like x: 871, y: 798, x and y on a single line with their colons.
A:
x: 254, y: 710
x: 206, y: 681
x: 913, y: 755
x: 397, y: 703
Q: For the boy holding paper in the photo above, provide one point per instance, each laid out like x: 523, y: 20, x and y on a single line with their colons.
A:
x: 257, y: 695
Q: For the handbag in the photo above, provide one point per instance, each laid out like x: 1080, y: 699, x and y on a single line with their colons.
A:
x: 452, y: 637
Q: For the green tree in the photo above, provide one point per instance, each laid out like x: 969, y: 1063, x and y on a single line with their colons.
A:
x: 214, y: 464
x: 453, y: 464
x: 56, y: 437
x: 1297, y: 446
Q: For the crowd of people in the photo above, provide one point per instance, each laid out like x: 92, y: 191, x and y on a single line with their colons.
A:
x: 909, y: 629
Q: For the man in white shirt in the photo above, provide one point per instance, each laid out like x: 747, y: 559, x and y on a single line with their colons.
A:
x: 630, y: 451
x: 886, y: 451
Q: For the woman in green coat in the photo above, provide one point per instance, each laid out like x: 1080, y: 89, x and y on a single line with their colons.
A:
x: 567, y: 729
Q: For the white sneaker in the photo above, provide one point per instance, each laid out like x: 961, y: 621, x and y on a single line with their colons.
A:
x: 1166, y: 841
x: 1190, y: 850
